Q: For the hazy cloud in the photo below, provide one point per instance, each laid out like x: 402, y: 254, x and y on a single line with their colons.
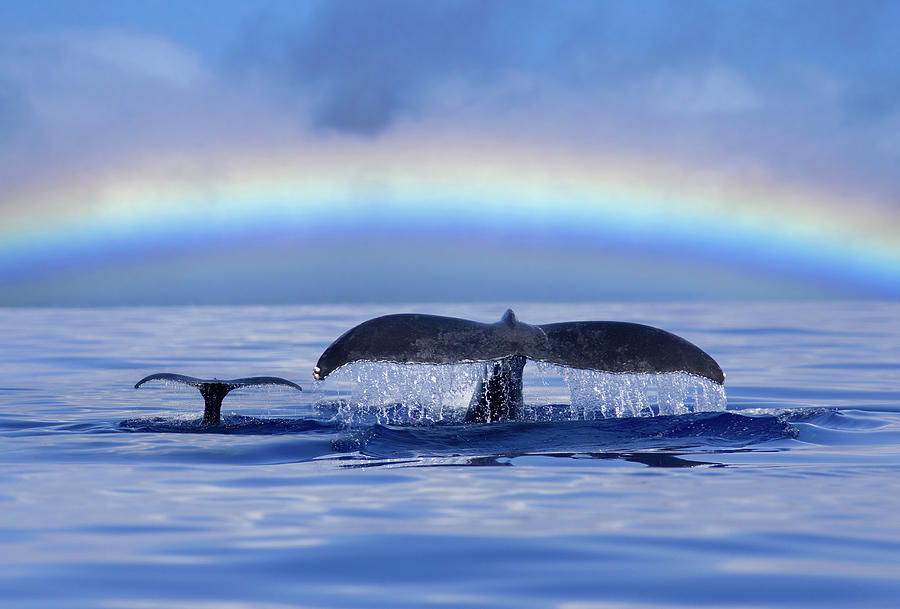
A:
x: 75, y: 98
x: 16, y: 113
x: 89, y: 79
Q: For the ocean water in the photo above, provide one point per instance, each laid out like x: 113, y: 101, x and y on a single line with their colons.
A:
x: 367, y: 491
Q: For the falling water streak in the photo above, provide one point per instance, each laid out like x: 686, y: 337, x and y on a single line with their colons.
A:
x: 415, y: 394
x: 389, y: 393
x: 596, y: 394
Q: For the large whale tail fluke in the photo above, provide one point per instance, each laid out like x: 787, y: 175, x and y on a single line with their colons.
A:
x: 215, y: 390
x: 609, y: 346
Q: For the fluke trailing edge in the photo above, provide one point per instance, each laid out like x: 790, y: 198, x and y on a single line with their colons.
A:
x: 609, y: 346
x: 214, y: 390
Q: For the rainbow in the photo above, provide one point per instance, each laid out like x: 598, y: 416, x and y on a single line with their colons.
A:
x: 501, y: 191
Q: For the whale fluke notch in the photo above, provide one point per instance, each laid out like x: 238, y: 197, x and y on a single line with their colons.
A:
x: 607, y: 346
x: 215, y: 390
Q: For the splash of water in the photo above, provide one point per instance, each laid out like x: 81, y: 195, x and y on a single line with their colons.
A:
x: 389, y: 393
x: 596, y: 395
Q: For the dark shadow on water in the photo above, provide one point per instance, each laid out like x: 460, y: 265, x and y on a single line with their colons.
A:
x: 230, y: 425
x: 650, y: 459
x: 657, y: 442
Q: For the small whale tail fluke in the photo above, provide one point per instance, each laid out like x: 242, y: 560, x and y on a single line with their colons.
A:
x: 215, y: 390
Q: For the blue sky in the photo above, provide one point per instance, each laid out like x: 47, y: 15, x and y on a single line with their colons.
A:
x: 702, y: 101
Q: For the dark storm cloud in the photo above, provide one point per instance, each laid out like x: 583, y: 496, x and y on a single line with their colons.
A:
x: 367, y: 63
x: 370, y: 61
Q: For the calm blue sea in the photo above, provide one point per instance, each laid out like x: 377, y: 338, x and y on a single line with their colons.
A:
x: 118, y: 498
